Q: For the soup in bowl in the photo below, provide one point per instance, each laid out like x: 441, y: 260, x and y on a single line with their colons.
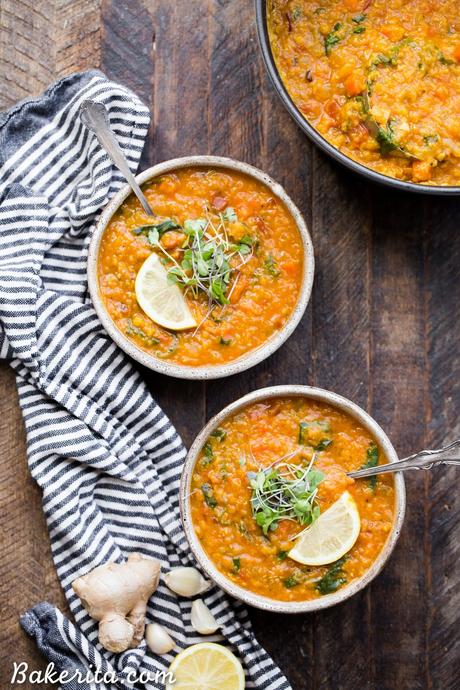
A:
x: 379, y: 81
x: 215, y: 281
x: 269, y: 510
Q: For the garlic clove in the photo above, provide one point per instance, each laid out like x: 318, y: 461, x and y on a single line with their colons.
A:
x: 158, y: 639
x: 188, y: 582
x: 202, y: 619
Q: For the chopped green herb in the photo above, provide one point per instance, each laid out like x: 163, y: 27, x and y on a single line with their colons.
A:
x: 296, y: 13
x: 372, y: 460
x: 386, y: 139
x: 330, y: 41
x: 431, y: 139
x: 158, y: 228
x: 381, y: 59
x: 323, y: 444
x: 359, y: 18
x: 208, y: 454
x: 236, y: 565
x: 219, y: 433
x: 307, y: 430
x: 134, y: 330
x: 290, y: 582
x: 282, y: 555
x: 333, y: 578
x: 337, y: 26
x: 208, y: 495
x: 445, y: 61
x: 271, y: 266
x: 359, y: 30
x: 225, y: 341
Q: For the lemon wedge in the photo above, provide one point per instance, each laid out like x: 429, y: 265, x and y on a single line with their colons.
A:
x: 162, y: 301
x: 206, y: 666
x: 331, y: 536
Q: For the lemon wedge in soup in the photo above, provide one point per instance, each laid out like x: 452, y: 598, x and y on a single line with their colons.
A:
x: 161, y: 300
x: 331, y: 536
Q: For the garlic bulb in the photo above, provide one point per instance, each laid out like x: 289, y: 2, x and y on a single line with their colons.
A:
x: 202, y: 619
x: 186, y: 581
x: 158, y: 639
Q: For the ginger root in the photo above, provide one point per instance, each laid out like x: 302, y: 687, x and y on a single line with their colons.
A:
x: 116, y: 595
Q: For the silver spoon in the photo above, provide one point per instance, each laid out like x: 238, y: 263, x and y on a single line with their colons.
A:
x: 425, y: 460
x: 94, y: 115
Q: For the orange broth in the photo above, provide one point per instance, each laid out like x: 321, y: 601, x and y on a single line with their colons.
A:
x: 221, y: 511
x: 379, y: 79
x: 262, y: 293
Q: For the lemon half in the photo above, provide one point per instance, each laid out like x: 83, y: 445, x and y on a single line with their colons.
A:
x: 161, y: 300
x: 206, y: 666
x: 331, y: 536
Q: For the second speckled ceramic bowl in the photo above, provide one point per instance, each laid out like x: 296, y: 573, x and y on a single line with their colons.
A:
x: 258, y: 600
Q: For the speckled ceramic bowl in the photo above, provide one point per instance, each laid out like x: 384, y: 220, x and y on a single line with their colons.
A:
x: 254, y: 356
x: 258, y: 600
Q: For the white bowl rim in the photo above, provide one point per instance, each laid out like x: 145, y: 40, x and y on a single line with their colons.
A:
x: 252, y: 357
x: 341, y: 403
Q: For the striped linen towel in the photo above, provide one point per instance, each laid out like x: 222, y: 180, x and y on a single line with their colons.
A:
x: 105, y: 456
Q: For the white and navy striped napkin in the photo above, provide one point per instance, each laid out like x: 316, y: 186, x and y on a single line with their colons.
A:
x: 105, y: 456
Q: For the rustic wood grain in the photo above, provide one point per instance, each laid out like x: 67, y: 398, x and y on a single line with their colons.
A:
x: 40, y: 41
x: 382, y: 327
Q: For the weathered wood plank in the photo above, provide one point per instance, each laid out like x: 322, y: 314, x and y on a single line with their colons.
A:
x: 43, y: 40
x: 27, y: 573
x: 341, y: 320
x: 442, y: 544
x: 39, y: 42
x: 398, y: 395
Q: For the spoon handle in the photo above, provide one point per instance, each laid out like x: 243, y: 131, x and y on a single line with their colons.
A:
x: 94, y: 116
x: 425, y: 460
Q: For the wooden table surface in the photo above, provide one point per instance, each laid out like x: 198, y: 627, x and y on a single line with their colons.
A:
x: 382, y: 327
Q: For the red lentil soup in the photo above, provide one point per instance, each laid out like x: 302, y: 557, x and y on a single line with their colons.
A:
x: 251, y: 441
x: 263, y: 281
x: 379, y: 79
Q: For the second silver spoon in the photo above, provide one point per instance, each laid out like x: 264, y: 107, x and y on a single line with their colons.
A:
x: 425, y: 460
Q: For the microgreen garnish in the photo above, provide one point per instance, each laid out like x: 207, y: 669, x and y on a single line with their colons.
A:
x: 333, y: 578
x: 209, y: 256
x: 208, y: 495
x: 372, y: 460
x: 284, y: 491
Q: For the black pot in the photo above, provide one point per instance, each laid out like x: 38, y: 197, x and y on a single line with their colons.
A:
x: 310, y: 131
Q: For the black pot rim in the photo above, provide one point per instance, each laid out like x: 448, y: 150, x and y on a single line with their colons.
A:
x: 316, y: 137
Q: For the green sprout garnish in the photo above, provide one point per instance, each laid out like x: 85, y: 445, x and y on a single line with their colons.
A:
x: 209, y: 257
x: 285, y: 491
